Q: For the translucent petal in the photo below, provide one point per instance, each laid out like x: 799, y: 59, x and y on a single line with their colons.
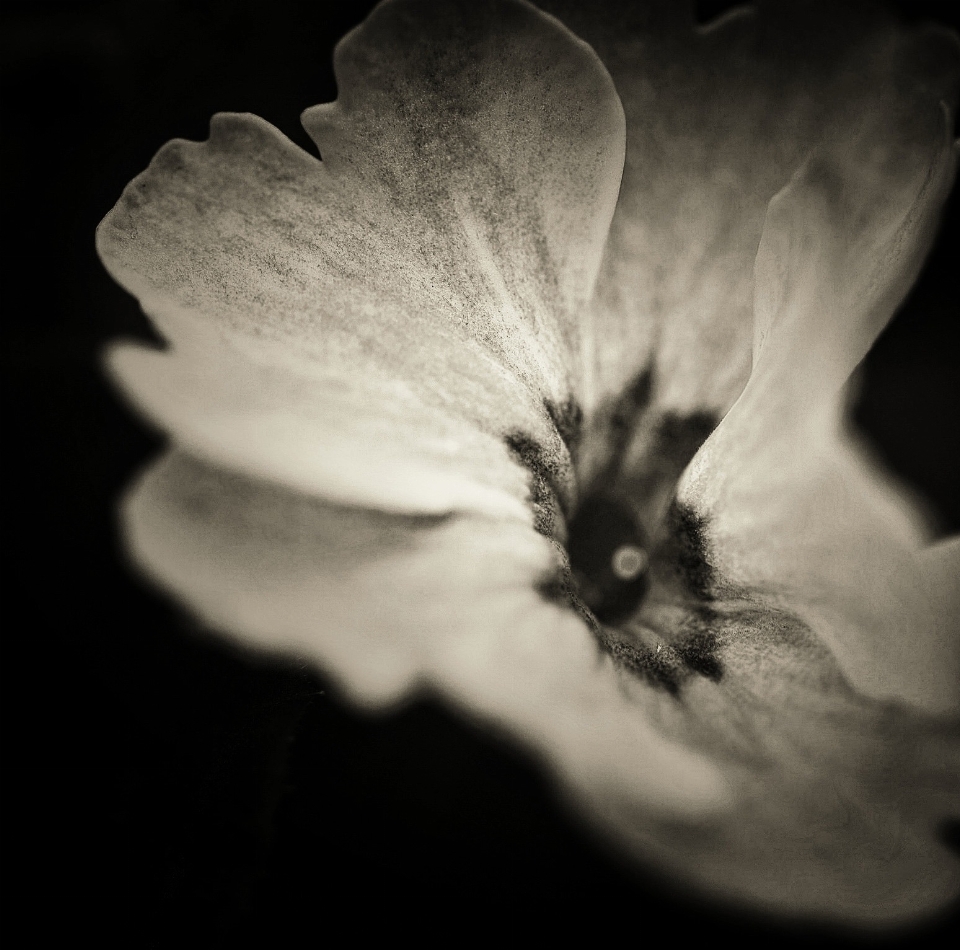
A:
x: 436, y: 263
x: 718, y: 120
x: 797, y: 512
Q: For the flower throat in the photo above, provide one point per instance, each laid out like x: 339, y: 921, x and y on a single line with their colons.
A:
x: 624, y: 521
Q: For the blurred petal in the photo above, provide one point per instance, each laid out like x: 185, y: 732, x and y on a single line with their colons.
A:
x: 841, y: 800
x: 797, y: 512
x: 772, y: 782
x: 842, y: 244
x: 385, y: 602
x: 941, y: 570
x: 801, y: 635
x: 435, y: 265
x: 718, y: 120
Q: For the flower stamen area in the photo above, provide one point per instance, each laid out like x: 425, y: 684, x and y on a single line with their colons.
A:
x: 608, y: 499
x: 608, y: 555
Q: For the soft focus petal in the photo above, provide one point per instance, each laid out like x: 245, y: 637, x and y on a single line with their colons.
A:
x: 811, y: 650
x: 431, y: 272
x: 718, y: 120
x: 385, y: 602
x: 840, y: 799
x: 797, y: 512
x: 772, y: 782
x: 806, y: 521
x: 940, y: 565
x: 842, y: 244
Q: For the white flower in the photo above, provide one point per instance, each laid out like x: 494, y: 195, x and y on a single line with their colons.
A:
x: 445, y: 412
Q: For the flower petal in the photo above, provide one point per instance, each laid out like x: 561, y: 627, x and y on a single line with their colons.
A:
x: 389, y: 602
x: 842, y: 244
x: 797, y: 512
x: 833, y: 649
x: 437, y: 262
x: 718, y: 120
x: 941, y: 570
x: 774, y: 783
x: 340, y: 434
x: 840, y: 799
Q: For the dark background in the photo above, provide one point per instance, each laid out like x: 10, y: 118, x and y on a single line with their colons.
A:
x: 160, y: 789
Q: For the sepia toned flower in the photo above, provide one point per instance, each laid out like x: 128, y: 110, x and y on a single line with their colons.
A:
x: 531, y: 392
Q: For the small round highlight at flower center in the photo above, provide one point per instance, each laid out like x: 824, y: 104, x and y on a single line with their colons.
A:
x: 629, y: 562
x: 609, y: 557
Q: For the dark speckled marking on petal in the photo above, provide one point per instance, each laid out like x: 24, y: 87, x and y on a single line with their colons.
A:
x: 621, y: 422
x: 656, y: 459
x: 547, y: 498
x: 632, y: 403
x: 685, y: 546
x: 661, y: 668
x: 669, y: 666
x: 560, y: 588
x: 647, y: 481
x: 542, y: 486
x: 699, y: 653
x: 552, y: 480
x: 567, y: 418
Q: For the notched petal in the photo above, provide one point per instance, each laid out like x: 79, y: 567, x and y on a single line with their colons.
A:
x: 445, y: 246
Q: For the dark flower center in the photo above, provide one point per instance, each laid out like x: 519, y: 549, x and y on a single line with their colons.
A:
x: 609, y: 497
x: 622, y: 529
x: 609, y: 556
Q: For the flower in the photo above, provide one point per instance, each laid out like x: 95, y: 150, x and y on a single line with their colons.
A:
x: 532, y: 393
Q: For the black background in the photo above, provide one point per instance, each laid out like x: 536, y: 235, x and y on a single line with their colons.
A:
x: 160, y: 789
